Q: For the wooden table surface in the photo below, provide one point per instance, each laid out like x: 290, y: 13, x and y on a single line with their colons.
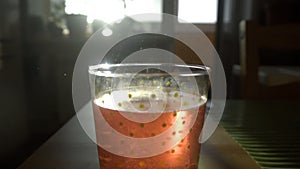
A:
x: 71, y: 148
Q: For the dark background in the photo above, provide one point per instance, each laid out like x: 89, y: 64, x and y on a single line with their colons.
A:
x: 36, y: 65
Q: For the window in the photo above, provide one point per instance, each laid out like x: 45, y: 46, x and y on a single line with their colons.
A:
x: 198, y: 11
x: 112, y: 10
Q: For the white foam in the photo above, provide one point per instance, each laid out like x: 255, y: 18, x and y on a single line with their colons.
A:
x: 151, y: 101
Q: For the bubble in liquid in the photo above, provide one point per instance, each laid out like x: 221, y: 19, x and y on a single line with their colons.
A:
x: 168, y: 83
x: 153, y: 96
x: 185, y: 103
x: 142, y: 106
x: 142, y: 163
x: 120, y: 104
x: 141, y: 82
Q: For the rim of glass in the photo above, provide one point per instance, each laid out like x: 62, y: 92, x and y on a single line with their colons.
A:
x: 106, y: 69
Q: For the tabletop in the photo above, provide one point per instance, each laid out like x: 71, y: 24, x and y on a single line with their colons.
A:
x: 71, y: 148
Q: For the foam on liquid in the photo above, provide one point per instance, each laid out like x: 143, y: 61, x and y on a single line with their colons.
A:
x: 154, y: 101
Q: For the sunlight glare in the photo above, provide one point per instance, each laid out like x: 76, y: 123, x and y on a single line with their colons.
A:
x: 198, y: 11
x: 109, y: 11
x: 104, y: 10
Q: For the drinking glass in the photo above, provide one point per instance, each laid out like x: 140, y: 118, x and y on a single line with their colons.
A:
x: 148, y: 116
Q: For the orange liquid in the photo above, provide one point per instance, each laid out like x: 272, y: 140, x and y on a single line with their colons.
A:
x: 184, y: 155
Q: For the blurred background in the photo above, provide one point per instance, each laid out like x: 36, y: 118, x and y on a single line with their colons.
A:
x: 41, y: 39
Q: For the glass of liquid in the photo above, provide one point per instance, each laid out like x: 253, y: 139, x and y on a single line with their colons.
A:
x: 148, y: 116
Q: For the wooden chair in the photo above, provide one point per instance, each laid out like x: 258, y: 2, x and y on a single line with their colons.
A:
x: 263, y: 81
